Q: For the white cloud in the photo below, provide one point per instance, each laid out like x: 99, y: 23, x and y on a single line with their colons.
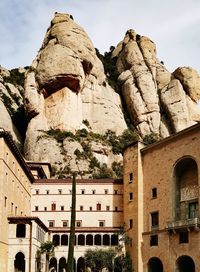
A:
x: 173, y: 25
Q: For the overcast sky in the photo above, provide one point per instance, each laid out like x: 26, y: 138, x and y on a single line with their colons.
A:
x: 174, y: 25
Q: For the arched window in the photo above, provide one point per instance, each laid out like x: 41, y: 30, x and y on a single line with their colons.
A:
x: 81, y: 264
x: 185, y: 264
x: 53, y: 264
x: 97, y: 240
x: 114, y: 240
x: 19, y: 263
x: 155, y: 265
x: 89, y: 240
x: 21, y: 231
x: 106, y: 240
x: 185, y: 189
x: 64, y: 240
x: 56, y: 240
x: 62, y: 264
x: 81, y: 240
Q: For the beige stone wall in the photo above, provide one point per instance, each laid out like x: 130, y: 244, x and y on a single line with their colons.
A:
x: 15, y: 189
x: 158, y: 165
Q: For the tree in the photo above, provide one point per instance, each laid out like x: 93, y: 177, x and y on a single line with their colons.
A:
x: 98, y: 259
x: 48, y: 249
x: 70, y: 262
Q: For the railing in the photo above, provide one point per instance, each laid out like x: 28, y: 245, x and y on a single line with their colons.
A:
x: 185, y: 223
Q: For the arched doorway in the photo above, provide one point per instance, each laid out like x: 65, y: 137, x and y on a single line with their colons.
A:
x: 62, y: 265
x: 185, y: 264
x: 81, y: 265
x: 155, y: 265
x: 185, y: 189
x: 19, y: 263
x: 53, y: 265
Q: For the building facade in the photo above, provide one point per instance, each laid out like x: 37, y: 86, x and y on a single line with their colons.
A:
x: 161, y: 189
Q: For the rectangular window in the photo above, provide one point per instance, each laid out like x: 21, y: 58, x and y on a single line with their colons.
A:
x: 45, y: 208
x: 15, y: 210
x: 154, y: 240
x: 36, y: 208
x: 106, y: 191
x: 130, y: 196
x: 101, y: 224
x: 70, y: 192
x: 98, y: 206
x: 12, y: 207
x: 130, y: 177
x: 130, y: 223
x: 59, y: 191
x: 81, y: 208
x: 51, y: 224
x: 193, y: 209
x: 53, y: 206
x: 47, y: 192
x: 5, y: 201
x: 65, y: 224
x: 183, y: 237
x: 82, y: 191
x: 154, y: 193
x: 115, y: 192
x: 37, y: 192
x: 93, y: 192
x: 62, y: 208
x: 90, y: 208
x: 154, y: 219
x: 107, y: 208
x: 78, y: 224
x: 116, y: 209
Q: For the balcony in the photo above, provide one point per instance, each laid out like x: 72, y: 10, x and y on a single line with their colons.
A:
x: 190, y: 224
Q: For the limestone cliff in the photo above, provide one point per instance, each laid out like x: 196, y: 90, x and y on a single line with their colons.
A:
x: 157, y: 101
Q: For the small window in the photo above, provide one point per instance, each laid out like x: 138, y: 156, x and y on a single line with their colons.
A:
x: 106, y: 191
x: 130, y: 177
x: 62, y: 208
x: 12, y: 204
x: 154, y: 240
x: 154, y: 193
x: 15, y: 210
x: 60, y: 191
x: 53, y: 206
x: 154, y: 219
x: 93, y: 192
x: 51, y: 224
x: 90, y: 208
x: 47, y: 192
x: 45, y: 208
x: 37, y: 192
x: 183, y: 237
x: 78, y: 224
x: 98, y: 206
x: 130, y: 196
x: 101, y: 224
x: 5, y: 201
x: 130, y: 223
x: 116, y: 209
x: 65, y: 224
x: 70, y: 192
x: 36, y: 208
x: 115, y: 192
x: 21, y: 231
x: 82, y: 191
x: 107, y: 208
x: 81, y: 208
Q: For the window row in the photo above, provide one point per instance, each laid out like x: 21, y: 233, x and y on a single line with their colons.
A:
x: 12, y: 206
x: 82, y: 192
x: 87, y: 240
x: 65, y: 223
x: 81, y: 208
x: 183, y: 238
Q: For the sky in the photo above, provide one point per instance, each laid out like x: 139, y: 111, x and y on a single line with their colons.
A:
x: 174, y: 25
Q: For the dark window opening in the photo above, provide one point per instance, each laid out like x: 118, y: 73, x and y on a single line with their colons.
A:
x: 130, y: 177
x: 98, y: 206
x: 64, y: 240
x: 130, y: 196
x: 154, y: 240
x: 154, y: 219
x: 53, y: 206
x: 154, y: 193
x: 130, y: 223
x: 183, y: 237
x: 21, y: 231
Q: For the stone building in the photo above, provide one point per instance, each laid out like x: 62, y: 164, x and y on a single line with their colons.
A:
x: 161, y: 196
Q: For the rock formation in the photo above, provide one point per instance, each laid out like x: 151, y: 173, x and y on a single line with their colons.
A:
x: 157, y: 101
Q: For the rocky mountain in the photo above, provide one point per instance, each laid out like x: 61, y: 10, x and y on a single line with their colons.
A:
x: 80, y: 105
